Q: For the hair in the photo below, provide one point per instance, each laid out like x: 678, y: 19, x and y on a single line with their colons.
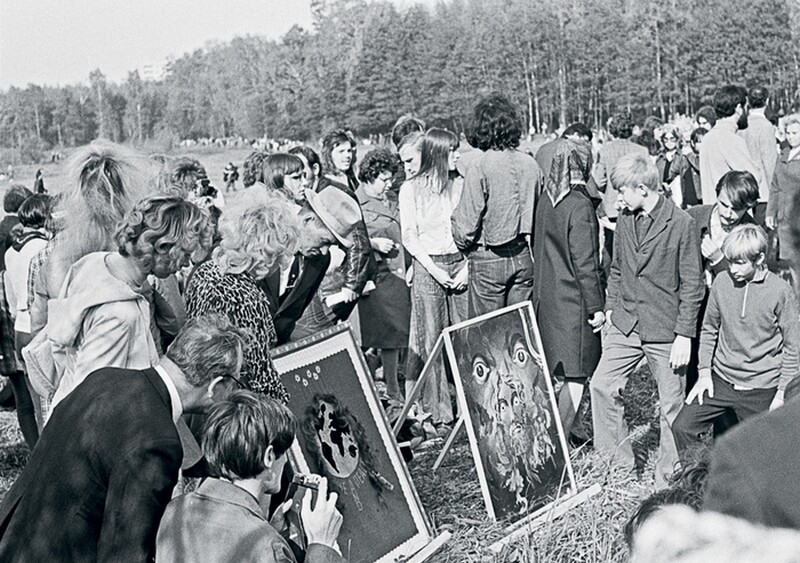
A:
x: 648, y: 140
x: 276, y: 166
x: 670, y: 131
x: 208, y: 347
x: 404, y: 125
x: 34, y: 212
x: 164, y: 225
x: 633, y: 170
x: 791, y: 119
x: 185, y: 173
x: 435, y: 150
x: 758, y: 96
x: 332, y: 140
x: 579, y: 129
x: 727, y: 98
x: 252, y: 169
x: 697, y: 134
x: 496, y: 124
x: 621, y: 125
x: 239, y: 430
x: 309, y: 154
x: 376, y: 163
x: 257, y: 236
x: 745, y: 242
x: 741, y: 187
x: 707, y: 112
x: 413, y: 138
x: 14, y: 197
x: 651, y: 505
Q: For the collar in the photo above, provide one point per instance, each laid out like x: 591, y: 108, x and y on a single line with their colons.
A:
x: 656, y: 210
x: 226, y: 491
x: 174, y: 397
x: 760, y: 275
x: 793, y: 153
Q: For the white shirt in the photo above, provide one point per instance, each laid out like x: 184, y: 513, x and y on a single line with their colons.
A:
x: 425, y: 217
x: 174, y: 397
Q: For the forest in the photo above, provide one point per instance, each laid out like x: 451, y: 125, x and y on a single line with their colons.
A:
x: 364, y: 63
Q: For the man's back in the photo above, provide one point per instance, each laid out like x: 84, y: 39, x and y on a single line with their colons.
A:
x: 100, y: 476
x: 721, y: 151
x: 763, y: 146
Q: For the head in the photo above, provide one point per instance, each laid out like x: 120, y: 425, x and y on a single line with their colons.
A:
x: 14, y: 197
x: 337, y: 152
x: 737, y: 193
x: 247, y: 436
x: 283, y: 173
x: 636, y: 178
x: 621, y: 126
x: 328, y: 218
x: 252, y: 169
x: 164, y: 234
x: 731, y: 101
x: 652, y: 505
x: 745, y: 247
x: 258, y: 238
x: 706, y: 117
x: 758, y: 97
x: 578, y: 132
x: 438, y: 157
x: 376, y: 171
x: 312, y: 167
x: 209, y: 351
x: 404, y: 126
x: 34, y: 213
x: 697, y: 139
x: 496, y: 124
x: 792, y: 127
x: 670, y: 139
x: 186, y: 174
x: 409, y: 151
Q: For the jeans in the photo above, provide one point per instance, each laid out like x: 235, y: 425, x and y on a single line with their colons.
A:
x: 23, y: 396
x: 499, y: 276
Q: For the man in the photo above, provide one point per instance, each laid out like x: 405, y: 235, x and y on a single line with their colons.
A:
x: 105, y: 465
x: 722, y: 149
x: 763, y: 146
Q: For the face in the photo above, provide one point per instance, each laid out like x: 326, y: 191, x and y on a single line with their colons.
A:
x: 272, y: 474
x: 631, y: 197
x: 696, y: 144
x: 380, y: 185
x: 164, y: 265
x: 793, y: 135
x: 342, y: 156
x: 743, y: 270
x: 295, y: 183
x: 703, y: 122
x: 452, y: 159
x: 411, y: 158
x: 728, y: 216
x: 315, y: 237
x: 670, y: 142
x: 309, y: 174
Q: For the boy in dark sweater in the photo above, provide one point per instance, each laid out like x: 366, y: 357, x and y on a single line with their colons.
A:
x: 748, y: 344
x: 654, y: 293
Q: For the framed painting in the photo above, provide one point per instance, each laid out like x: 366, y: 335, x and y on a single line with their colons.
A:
x: 344, y: 435
x: 509, y: 407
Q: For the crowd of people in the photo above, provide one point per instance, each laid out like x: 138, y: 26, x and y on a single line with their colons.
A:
x: 141, y: 312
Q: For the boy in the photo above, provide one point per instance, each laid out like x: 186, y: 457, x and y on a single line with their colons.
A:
x: 654, y: 293
x: 748, y: 344
x: 245, y: 442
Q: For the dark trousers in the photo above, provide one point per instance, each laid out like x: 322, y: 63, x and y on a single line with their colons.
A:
x: 26, y: 413
x: 499, y: 276
x: 696, y: 419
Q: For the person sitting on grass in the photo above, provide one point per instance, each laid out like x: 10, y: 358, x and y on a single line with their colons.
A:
x: 748, y: 343
x: 245, y: 440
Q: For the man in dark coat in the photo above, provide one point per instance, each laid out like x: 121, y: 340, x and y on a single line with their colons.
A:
x: 105, y: 465
x: 14, y: 197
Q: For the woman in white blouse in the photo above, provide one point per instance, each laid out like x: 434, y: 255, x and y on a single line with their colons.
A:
x: 438, y: 290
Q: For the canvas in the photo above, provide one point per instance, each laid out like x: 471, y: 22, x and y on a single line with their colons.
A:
x: 510, y: 411
x: 344, y: 436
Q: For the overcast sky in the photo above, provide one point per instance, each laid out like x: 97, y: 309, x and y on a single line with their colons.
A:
x: 57, y: 42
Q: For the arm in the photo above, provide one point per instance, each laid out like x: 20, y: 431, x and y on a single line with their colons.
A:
x: 774, y: 203
x: 468, y: 215
x: 690, y: 279
x: 614, y: 275
x: 11, y: 297
x: 410, y: 233
x: 710, y: 330
x: 584, y: 249
x: 359, y: 263
x: 789, y: 324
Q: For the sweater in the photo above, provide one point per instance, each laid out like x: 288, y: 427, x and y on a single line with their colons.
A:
x: 751, y: 332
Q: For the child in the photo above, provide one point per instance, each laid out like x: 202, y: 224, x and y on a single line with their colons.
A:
x: 748, y: 344
x: 654, y: 292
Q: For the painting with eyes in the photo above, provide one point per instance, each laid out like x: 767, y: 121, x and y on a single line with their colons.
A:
x: 344, y: 436
x: 511, y: 413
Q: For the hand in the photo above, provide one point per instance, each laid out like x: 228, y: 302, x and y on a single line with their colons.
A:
x: 607, y: 323
x: 770, y: 222
x: 777, y: 401
x: 597, y: 321
x: 460, y: 279
x: 382, y: 245
x: 710, y: 250
x: 278, y: 520
x: 322, y: 522
x: 441, y: 277
x: 681, y: 350
x: 704, y: 385
x: 349, y: 295
x: 410, y: 275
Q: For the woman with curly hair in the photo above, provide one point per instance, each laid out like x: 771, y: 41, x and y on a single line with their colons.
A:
x: 256, y: 240
x: 438, y: 290
x: 493, y: 222
x: 385, y: 313
x: 102, y: 316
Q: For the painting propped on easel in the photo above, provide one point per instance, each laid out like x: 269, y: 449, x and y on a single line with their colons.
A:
x: 509, y: 408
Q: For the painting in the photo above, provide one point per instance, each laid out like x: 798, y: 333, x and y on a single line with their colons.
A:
x: 510, y: 410
x: 344, y: 436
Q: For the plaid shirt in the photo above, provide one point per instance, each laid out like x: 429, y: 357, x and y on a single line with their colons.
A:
x: 35, y: 267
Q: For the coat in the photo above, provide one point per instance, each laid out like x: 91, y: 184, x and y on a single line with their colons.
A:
x: 100, y: 476
x: 568, y: 283
x: 783, y: 203
x: 385, y: 313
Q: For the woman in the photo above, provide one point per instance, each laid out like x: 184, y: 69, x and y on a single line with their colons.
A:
x: 568, y: 292
x: 338, y: 161
x: 671, y: 166
x: 256, y: 240
x: 385, y: 312
x: 283, y: 172
x: 102, y: 317
x: 438, y: 289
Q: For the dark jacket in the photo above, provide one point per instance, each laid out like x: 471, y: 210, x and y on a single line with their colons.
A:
x: 656, y: 284
x: 6, y: 225
x: 783, y: 202
x: 702, y: 220
x: 101, y: 474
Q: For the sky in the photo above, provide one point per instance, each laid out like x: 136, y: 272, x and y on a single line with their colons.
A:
x: 59, y: 42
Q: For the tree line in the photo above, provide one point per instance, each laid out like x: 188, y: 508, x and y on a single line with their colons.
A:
x: 365, y: 63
